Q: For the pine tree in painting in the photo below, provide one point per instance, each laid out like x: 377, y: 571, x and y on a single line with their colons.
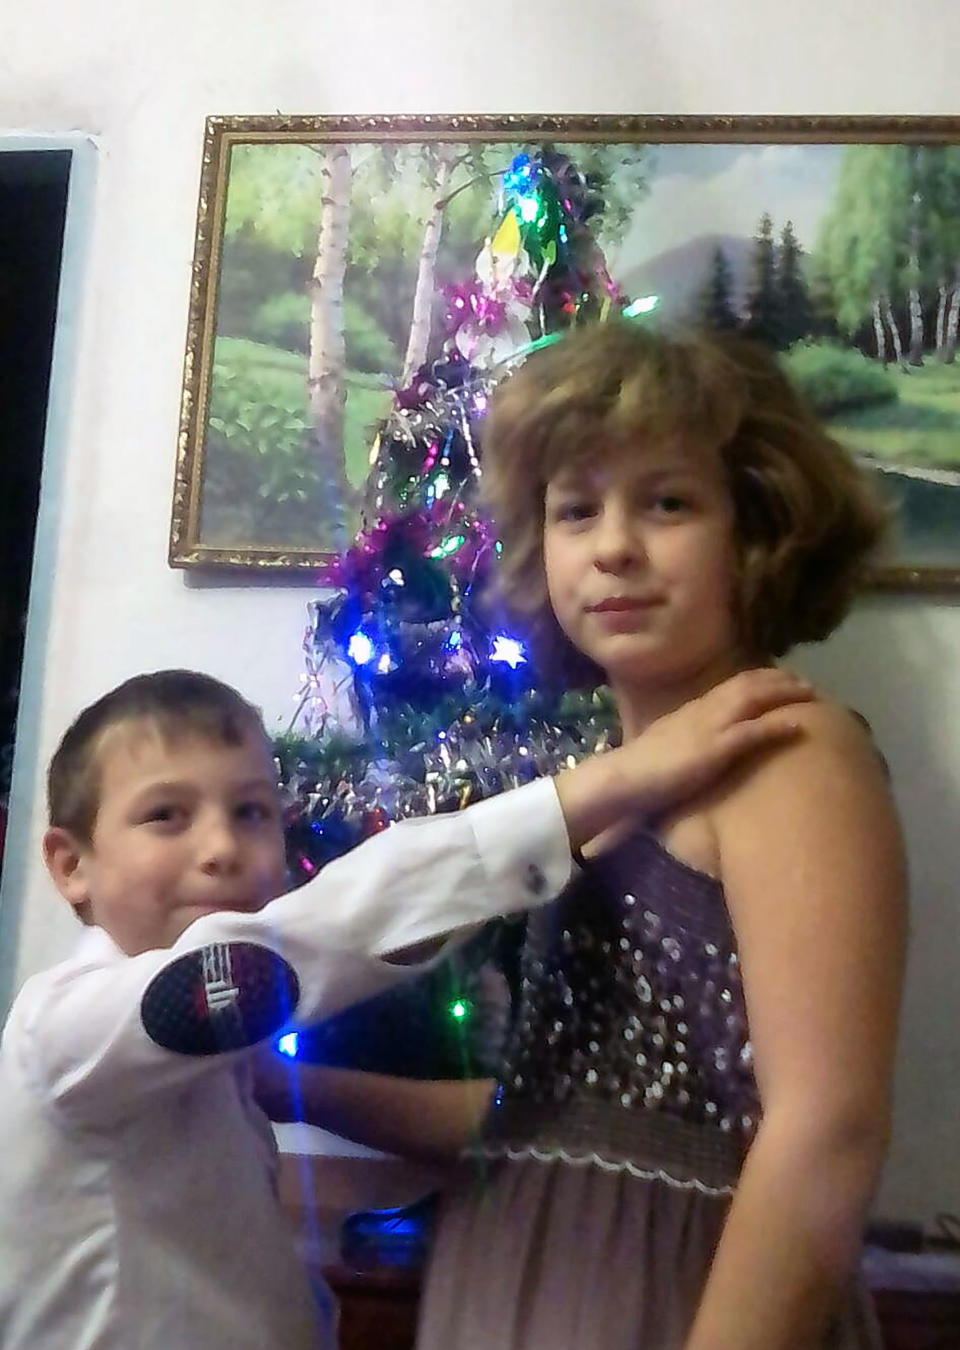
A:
x: 717, y: 309
x: 764, y: 313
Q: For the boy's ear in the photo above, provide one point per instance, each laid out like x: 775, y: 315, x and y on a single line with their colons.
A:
x: 64, y: 857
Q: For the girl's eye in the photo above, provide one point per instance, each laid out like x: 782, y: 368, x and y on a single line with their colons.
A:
x: 254, y: 812
x: 671, y: 503
x: 574, y: 511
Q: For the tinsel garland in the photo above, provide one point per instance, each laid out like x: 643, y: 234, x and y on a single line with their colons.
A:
x: 341, y: 789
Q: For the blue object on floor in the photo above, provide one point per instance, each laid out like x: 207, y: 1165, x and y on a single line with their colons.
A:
x: 388, y: 1237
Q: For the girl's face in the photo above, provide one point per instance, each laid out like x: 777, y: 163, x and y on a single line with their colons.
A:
x: 639, y: 560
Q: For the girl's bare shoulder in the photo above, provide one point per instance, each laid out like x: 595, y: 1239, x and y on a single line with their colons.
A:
x: 830, y: 771
x: 831, y: 764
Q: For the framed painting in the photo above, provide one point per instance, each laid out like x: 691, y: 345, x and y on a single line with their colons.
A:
x: 324, y: 246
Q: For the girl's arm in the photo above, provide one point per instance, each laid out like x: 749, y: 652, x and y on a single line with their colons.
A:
x: 813, y: 867
x: 430, y: 1121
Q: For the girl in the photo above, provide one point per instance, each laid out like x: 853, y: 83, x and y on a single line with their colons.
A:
x: 694, y: 1104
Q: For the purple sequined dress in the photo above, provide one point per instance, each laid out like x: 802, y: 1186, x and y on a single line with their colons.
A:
x: 588, y: 1214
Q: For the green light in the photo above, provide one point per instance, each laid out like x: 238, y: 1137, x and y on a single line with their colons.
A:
x: 645, y: 305
x: 448, y: 546
x: 459, y: 1010
x: 545, y: 341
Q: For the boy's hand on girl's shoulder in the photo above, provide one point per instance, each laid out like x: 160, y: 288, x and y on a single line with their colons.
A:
x: 681, y: 753
x: 686, y: 750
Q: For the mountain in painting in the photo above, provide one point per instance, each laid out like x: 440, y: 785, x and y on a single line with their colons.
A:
x: 679, y: 275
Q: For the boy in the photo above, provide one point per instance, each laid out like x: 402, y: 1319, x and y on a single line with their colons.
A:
x: 137, y: 1201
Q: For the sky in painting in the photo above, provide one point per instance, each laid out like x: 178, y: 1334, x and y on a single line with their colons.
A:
x: 724, y: 189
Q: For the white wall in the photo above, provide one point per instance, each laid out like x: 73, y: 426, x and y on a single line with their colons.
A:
x: 139, y: 79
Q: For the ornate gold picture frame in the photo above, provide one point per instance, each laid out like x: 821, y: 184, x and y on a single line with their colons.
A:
x: 836, y: 239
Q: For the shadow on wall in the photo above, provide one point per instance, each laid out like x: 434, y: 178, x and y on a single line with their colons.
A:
x: 22, y: 843
x: 896, y: 661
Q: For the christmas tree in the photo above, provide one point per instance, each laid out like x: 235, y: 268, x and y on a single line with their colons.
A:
x: 419, y: 694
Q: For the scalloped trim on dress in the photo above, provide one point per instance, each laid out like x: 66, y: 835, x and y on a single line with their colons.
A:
x: 594, y: 1160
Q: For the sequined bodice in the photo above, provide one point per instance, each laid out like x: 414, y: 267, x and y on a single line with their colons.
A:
x: 632, y: 999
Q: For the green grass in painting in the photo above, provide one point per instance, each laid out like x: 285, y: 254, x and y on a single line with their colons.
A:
x: 921, y: 429
x: 239, y: 350
x: 368, y: 400
x: 366, y: 407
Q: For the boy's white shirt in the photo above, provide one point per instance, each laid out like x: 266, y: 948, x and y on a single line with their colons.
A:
x: 137, y: 1186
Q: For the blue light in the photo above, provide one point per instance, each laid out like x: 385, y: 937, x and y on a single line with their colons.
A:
x: 508, y: 650
x: 395, y: 1221
x: 455, y: 641
x: 360, y: 649
x: 398, y: 1223
x: 287, y: 1045
x: 520, y: 174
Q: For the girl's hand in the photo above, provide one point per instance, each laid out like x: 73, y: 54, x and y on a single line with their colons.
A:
x: 682, y: 752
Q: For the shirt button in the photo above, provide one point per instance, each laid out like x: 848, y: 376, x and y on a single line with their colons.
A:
x: 536, y: 881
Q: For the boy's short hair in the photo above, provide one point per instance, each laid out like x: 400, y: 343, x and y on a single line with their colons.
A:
x: 806, y: 519
x: 175, y: 702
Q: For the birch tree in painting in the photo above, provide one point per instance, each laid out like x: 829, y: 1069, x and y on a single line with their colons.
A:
x: 934, y: 254
x: 440, y: 163
x: 915, y: 190
x: 949, y: 347
x: 862, y: 242
x: 944, y: 216
x: 892, y: 238
x: 327, y: 354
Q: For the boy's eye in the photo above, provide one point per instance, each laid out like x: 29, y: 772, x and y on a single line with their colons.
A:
x: 163, y: 814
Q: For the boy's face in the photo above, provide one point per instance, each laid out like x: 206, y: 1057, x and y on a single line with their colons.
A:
x: 184, y: 827
x: 639, y: 560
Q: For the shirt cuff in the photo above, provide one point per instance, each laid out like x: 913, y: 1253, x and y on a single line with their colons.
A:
x: 522, y: 837
x: 520, y: 855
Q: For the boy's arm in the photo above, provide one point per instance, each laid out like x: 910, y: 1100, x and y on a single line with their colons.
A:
x: 100, y: 1035
x: 98, y: 1038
